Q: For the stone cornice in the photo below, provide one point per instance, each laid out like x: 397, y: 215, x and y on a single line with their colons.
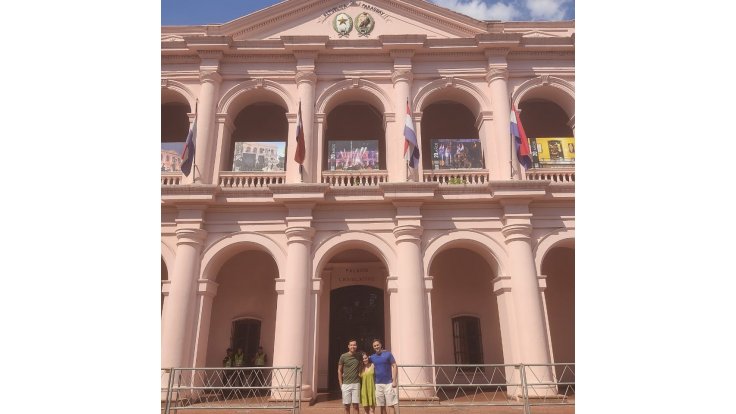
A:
x: 303, y: 192
x: 518, y: 189
x: 305, y: 43
x: 189, y: 193
x: 403, y: 42
x: 408, y: 190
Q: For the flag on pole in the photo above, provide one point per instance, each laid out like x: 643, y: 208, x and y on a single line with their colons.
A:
x: 300, y: 150
x: 187, y: 155
x: 520, y: 141
x: 411, y: 148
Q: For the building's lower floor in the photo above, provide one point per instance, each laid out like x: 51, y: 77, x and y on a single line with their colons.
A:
x: 435, y: 295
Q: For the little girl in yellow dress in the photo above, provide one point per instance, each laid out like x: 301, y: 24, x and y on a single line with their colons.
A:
x: 367, y: 385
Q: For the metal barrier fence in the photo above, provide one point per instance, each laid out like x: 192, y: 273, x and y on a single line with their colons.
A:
x: 266, y: 388
x: 523, y: 386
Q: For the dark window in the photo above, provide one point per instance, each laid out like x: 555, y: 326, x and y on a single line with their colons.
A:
x: 467, y: 340
x: 246, y: 334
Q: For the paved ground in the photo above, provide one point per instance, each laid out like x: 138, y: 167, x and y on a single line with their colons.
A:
x: 331, y: 405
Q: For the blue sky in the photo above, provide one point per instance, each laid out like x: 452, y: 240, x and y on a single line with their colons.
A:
x: 187, y: 12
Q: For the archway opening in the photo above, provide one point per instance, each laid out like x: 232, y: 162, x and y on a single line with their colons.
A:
x: 164, y: 278
x: 465, y: 319
x: 174, y: 130
x: 559, y: 267
x: 550, y: 137
x: 354, y: 138
x: 246, y: 292
x: 355, y: 305
x: 259, y: 139
x: 450, y: 138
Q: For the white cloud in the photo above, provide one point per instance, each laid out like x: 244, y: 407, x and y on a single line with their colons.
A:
x: 479, y: 9
x: 547, y: 9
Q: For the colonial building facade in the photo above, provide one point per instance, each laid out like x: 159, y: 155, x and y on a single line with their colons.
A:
x: 467, y: 257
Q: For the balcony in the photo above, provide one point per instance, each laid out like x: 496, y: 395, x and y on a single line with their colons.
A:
x: 371, y: 178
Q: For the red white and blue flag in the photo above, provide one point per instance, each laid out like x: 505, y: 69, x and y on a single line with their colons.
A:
x: 187, y: 155
x: 300, y: 150
x: 411, y: 148
x: 523, y: 154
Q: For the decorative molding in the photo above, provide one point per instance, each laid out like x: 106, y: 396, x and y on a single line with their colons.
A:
x: 408, y: 233
x: 496, y: 73
x: 336, y: 88
x: 246, y: 57
x: 244, y: 87
x: 299, y: 234
x: 480, y: 96
x: 207, y: 288
x: 210, y: 76
x: 518, y: 231
x: 547, y: 81
x: 191, y: 236
x: 501, y: 285
x: 521, y: 54
x: 308, y: 77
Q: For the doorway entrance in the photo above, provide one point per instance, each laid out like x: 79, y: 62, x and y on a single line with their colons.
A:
x: 356, y: 312
x: 246, y: 334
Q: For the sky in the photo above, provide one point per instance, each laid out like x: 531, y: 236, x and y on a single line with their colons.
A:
x: 189, y: 12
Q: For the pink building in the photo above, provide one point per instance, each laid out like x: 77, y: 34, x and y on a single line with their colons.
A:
x: 467, y: 258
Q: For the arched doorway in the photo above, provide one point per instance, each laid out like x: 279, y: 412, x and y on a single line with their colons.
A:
x: 356, y: 312
x: 559, y: 268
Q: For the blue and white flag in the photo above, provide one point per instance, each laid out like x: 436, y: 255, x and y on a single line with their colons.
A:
x: 411, y: 148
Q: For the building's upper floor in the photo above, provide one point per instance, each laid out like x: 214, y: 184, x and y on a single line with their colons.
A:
x: 358, y: 74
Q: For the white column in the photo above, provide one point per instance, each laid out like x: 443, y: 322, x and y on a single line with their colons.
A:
x: 527, y: 302
x: 320, y: 142
x: 293, y: 306
x: 205, y: 147
x: 500, y: 146
x: 182, y: 298
x: 413, y: 330
x: 395, y: 162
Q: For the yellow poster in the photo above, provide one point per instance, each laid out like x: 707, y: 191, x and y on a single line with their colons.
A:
x: 556, y: 150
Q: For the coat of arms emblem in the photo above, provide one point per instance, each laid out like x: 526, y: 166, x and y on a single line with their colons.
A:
x: 343, y: 24
x: 364, y: 24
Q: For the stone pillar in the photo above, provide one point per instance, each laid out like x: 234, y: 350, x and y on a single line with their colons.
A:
x: 484, y: 124
x: 412, y: 311
x: 205, y: 145
x: 293, y: 307
x: 224, y: 130
x: 182, y: 297
x: 306, y: 81
x: 531, y: 329
x: 206, y: 292
x: 395, y: 161
x: 500, y: 159
x: 320, y: 119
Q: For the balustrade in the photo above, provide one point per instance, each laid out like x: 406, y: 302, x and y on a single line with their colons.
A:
x: 556, y: 176
x: 250, y: 179
x: 445, y: 177
x: 369, y: 178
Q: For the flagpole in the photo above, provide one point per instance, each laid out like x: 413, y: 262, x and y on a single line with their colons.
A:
x: 407, y: 170
x: 512, y: 142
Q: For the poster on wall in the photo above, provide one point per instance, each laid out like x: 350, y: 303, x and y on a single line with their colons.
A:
x: 352, y: 155
x: 552, y: 152
x: 259, y: 156
x: 171, y: 156
x: 456, y: 153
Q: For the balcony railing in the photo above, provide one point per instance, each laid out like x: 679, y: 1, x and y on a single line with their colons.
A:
x: 170, y: 178
x: 251, y: 179
x: 354, y: 178
x: 566, y: 175
x: 456, y: 176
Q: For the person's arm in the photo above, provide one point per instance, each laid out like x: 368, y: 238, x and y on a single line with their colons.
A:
x: 339, y: 373
x: 394, y: 375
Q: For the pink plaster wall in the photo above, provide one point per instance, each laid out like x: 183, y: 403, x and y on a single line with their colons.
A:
x: 462, y: 286
x: 246, y: 289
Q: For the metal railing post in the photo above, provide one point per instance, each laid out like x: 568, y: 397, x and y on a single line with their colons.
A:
x: 168, y: 391
x: 524, y: 390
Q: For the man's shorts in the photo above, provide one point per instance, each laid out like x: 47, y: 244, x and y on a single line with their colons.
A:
x: 386, y: 395
x: 350, y: 393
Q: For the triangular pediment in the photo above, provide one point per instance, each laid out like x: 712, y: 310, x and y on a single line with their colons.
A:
x: 352, y: 20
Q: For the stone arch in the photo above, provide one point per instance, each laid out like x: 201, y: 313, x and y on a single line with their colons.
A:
x: 490, y: 249
x: 556, y: 238
x: 181, y: 89
x: 550, y: 88
x: 358, y: 240
x: 169, y: 257
x: 459, y: 90
x: 258, y: 90
x: 374, y: 94
x: 223, y: 249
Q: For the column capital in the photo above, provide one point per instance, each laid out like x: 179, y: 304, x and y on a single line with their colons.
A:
x: 206, y: 287
x: 518, y: 231
x: 402, y: 75
x: 408, y: 233
x: 306, y: 76
x: 392, y: 284
x: 299, y: 234
x: 494, y: 74
x: 210, y: 76
x: 189, y: 235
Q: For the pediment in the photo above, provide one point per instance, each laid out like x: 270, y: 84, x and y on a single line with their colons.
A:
x: 537, y: 33
x: 352, y: 19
